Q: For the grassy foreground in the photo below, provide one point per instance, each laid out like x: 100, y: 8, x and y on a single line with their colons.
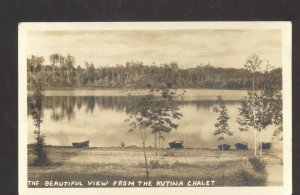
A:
x: 227, y: 168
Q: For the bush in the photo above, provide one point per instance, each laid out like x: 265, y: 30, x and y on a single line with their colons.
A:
x: 39, y: 151
x: 155, y: 164
x: 168, y: 154
x: 258, y: 165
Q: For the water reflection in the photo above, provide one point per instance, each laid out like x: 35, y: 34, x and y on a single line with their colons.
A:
x: 100, y: 119
x: 63, y: 106
x: 205, y: 104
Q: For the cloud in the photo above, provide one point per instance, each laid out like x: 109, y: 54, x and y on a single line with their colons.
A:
x: 226, y: 48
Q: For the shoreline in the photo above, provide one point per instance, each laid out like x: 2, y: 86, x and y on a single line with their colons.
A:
x: 126, y: 89
x: 189, y: 93
x: 85, y: 165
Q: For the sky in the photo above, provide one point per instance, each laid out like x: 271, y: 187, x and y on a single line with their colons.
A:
x: 189, y: 48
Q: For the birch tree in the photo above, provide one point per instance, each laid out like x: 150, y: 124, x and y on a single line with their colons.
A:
x: 260, y: 108
x: 252, y: 64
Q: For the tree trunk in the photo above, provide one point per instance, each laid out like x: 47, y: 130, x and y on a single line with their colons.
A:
x: 253, y: 84
x: 143, y: 137
x: 223, y: 143
x: 253, y: 89
x: 155, y: 143
x: 260, y: 151
x: 39, y: 131
x: 146, y: 161
x: 254, y: 142
x: 68, y: 74
x: 158, y: 142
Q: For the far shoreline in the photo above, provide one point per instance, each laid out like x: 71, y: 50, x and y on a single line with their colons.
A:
x: 189, y: 93
x: 126, y: 88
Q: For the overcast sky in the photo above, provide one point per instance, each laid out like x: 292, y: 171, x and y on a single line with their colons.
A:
x: 189, y: 48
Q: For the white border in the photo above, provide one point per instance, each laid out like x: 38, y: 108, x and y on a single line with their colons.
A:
x: 287, y: 103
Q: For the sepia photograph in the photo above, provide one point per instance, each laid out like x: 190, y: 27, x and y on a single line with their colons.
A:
x: 144, y: 107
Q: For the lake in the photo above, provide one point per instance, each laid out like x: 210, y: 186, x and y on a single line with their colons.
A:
x: 98, y: 115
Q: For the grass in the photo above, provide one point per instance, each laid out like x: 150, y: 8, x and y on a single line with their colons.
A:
x: 258, y: 165
x: 230, y: 168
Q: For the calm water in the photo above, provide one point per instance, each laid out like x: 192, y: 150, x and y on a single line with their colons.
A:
x: 98, y: 116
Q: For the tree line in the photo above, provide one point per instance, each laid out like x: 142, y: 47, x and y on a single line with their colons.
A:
x: 64, y: 72
x: 150, y: 115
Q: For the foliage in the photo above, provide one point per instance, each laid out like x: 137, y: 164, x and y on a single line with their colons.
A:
x: 64, y: 72
x: 35, y: 105
x: 222, y: 127
x: 277, y: 117
x: 256, y: 111
x: 35, y: 64
x: 253, y: 63
x: 257, y: 164
x: 36, y: 110
x: 153, y: 112
x: 247, y: 112
x: 260, y: 108
x: 40, y: 151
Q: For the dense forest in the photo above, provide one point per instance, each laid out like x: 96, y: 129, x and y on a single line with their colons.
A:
x: 63, y: 72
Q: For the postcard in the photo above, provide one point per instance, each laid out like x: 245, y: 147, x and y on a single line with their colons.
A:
x: 155, y: 107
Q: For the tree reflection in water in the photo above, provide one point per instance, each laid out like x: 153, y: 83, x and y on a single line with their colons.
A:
x: 64, y: 106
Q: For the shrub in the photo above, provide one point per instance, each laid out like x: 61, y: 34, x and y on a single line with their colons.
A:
x: 257, y: 164
x: 122, y: 144
x: 168, y: 154
x: 155, y: 164
x: 40, y: 152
